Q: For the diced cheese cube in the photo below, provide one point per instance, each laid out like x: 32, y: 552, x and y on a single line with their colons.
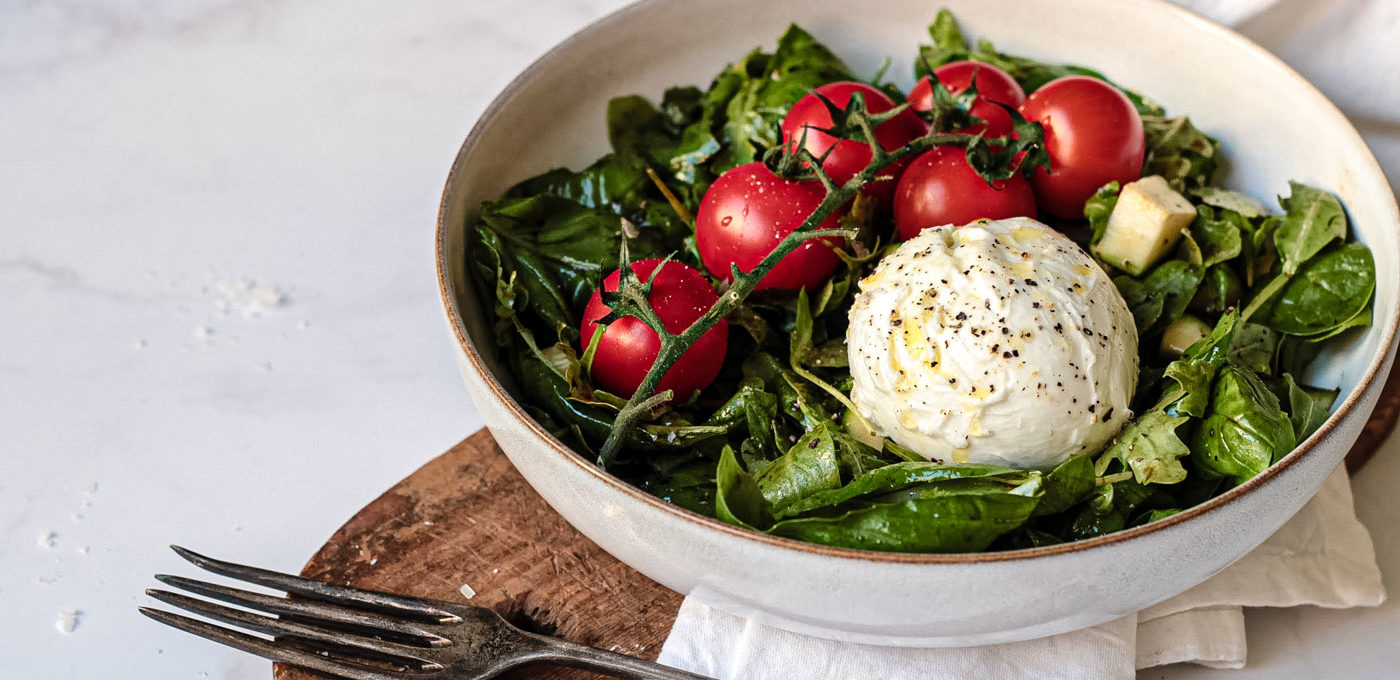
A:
x: 1145, y: 225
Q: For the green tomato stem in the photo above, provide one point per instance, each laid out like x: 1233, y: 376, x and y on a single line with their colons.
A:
x: 673, y: 346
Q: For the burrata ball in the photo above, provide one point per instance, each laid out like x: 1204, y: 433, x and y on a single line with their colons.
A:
x: 997, y: 342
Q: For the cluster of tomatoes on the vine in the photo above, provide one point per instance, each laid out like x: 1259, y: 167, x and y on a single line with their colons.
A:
x: 1093, y: 135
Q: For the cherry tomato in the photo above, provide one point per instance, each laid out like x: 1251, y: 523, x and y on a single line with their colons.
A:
x: 940, y: 188
x: 1093, y: 135
x: 628, y: 348
x: 849, y: 156
x: 744, y: 215
x: 993, y: 85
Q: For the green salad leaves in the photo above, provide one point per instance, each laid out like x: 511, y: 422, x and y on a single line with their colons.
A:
x: 774, y: 445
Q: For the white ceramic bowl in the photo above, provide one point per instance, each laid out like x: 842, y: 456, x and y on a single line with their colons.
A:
x: 1274, y: 127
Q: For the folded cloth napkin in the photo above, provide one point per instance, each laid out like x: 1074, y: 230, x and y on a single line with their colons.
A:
x: 1323, y: 557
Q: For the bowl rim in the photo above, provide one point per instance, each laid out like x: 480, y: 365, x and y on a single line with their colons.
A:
x: 1378, y: 362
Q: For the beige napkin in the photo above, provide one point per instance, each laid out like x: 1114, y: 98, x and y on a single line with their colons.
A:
x: 1323, y: 557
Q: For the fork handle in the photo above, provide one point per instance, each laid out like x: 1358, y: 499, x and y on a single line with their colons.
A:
x: 612, y: 663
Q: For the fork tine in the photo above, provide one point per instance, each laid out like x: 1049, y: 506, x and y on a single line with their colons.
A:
x: 268, y: 649
x: 396, y: 654
x: 387, y: 603
x: 403, y: 632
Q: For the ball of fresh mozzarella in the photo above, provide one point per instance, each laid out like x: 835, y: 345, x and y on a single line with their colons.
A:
x: 997, y: 342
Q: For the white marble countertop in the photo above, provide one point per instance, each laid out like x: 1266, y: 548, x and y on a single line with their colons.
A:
x: 219, y: 323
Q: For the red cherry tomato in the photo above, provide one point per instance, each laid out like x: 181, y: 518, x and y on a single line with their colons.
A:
x: 628, y: 348
x: 1093, y: 135
x: 993, y: 85
x: 849, y: 156
x: 940, y: 188
x: 744, y: 215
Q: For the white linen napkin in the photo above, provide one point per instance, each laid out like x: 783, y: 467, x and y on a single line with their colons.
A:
x: 1323, y: 557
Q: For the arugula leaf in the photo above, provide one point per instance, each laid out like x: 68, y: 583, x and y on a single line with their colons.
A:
x: 1150, y: 447
x: 737, y: 498
x: 1180, y: 153
x: 1325, y: 293
x: 1196, y: 369
x: 1245, y: 431
x: 808, y: 467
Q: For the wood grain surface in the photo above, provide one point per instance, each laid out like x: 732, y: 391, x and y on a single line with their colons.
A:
x: 469, y: 519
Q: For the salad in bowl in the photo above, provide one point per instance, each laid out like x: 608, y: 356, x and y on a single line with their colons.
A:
x: 1008, y: 308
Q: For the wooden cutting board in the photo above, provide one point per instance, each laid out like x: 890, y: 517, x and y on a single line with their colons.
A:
x: 468, y: 523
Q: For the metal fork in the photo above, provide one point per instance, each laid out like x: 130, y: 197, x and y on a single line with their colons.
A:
x: 369, y: 635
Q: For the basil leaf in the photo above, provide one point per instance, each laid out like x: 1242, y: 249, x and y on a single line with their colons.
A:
x: 1110, y: 507
x: 1313, y: 218
x: 808, y: 467
x: 948, y: 517
x: 1245, y: 431
x: 737, y: 498
x: 1325, y: 293
x: 1308, y: 408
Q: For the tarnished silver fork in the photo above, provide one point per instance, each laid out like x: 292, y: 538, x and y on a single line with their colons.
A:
x: 369, y: 635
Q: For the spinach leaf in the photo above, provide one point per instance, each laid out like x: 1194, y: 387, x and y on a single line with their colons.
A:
x: 1225, y: 199
x: 691, y: 486
x: 1180, y: 153
x: 808, y: 467
x: 1255, y: 346
x: 1219, y: 236
x: 938, y: 517
x: 1326, y: 292
x: 898, y: 476
x: 1110, y: 507
x: 1295, y: 354
x: 1308, y: 408
x: 1161, y: 296
x: 1245, y: 431
x: 1313, y: 218
x: 1065, y: 486
x: 737, y: 498
x: 1362, y: 319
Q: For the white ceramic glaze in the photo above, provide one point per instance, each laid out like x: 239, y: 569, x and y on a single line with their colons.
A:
x: 1274, y: 127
